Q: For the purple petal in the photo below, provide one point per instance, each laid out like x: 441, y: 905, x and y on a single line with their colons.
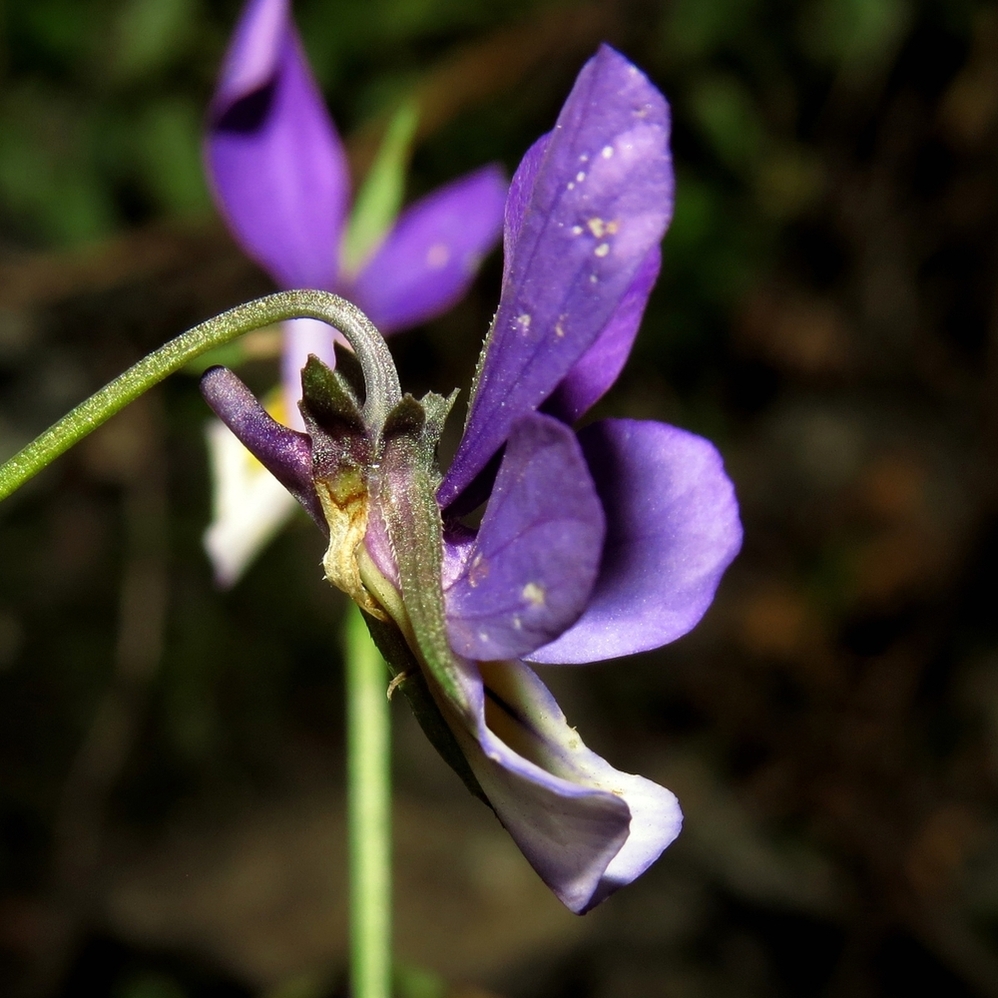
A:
x: 430, y: 256
x: 601, y: 199
x: 585, y: 827
x: 597, y: 369
x: 521, y: 190
x: 672, y: 529
x: 276, y: 164
x: 285, y: 453
x: 530, y: 570
x: 253, y: 53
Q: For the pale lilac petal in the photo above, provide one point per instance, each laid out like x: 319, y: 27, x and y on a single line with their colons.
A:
x: 586, y: 828
x: 276, y: 165
x: 285, y: 453
x: 597, y: 369
x: 302, y: 338
x: 601, y: 199
x: 672, y: 529
x: 432, y: 253
x: 249, y: 505
x: 529, y: 573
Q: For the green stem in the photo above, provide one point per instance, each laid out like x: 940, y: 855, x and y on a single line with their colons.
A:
x: 368, y: 813
x: 382, y: 383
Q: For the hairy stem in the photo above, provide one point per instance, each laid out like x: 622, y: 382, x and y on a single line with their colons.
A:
x: 379, y: 372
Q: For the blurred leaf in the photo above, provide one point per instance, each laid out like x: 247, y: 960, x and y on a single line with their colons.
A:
x: 789, y: 180
x: 415, y: 982
x: 151, y: 986
x: 47, y: 188
x: 695, y: 216
x: 301, y: 986
x: 148, y: 34
x: 853, y: 31
x: 57, y: 28
x: 380, y: 197
x: 694, y: 29
x: 169, y: 150
x: 725, y: 112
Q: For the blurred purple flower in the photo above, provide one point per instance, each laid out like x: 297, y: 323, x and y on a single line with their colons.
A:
x: 279, y: 174
x: 591, y: 546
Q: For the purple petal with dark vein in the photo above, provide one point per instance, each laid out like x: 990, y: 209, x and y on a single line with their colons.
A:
x: 585, y: 827
x: 285, y: 453
x: 672, y: 530
x: 597, y: 369
x: 432, y: 253
x: 601, y: 199
x: 276, y: 165
x: 530, y: 570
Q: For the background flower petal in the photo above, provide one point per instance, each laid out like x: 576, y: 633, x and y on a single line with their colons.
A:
x: 431, y: 254
x: 285, y: 453
x: 672, y: 529
x: 601, y: 199
x: 598, y: 368
x: 254, y: 51
x: 277, y: 167
x: 530, y: 570
x: 249, y: 505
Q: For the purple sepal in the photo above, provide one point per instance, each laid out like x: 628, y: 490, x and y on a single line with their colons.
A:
x: 530, y: 570
x: 672, y: 529
x: 598, y: 368
x: 285, y: 453
x: 586, y: 828
x: 431, y: 254
x: 601, y: 199
x: 276, y: 165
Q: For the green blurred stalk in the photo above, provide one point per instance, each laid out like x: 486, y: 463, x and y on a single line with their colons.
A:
x: 368, y: 813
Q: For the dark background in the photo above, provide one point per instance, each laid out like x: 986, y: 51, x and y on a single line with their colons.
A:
x: 171, y: 815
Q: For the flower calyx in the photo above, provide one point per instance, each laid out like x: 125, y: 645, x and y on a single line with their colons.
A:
x: 364, y: 458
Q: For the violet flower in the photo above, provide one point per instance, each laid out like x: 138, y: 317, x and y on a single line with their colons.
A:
x: 591, y: 546
x: 278, y: 171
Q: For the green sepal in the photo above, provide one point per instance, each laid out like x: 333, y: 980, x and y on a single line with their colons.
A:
x: 437, y: 409
x: 408, y: 504
x: 401, y: 661
x: 407, y: 419
x: 329, y: 400
x: 348, y: 368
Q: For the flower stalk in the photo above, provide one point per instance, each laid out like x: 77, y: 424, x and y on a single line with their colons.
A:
x: 368, y: 812
x: 379, y: 371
